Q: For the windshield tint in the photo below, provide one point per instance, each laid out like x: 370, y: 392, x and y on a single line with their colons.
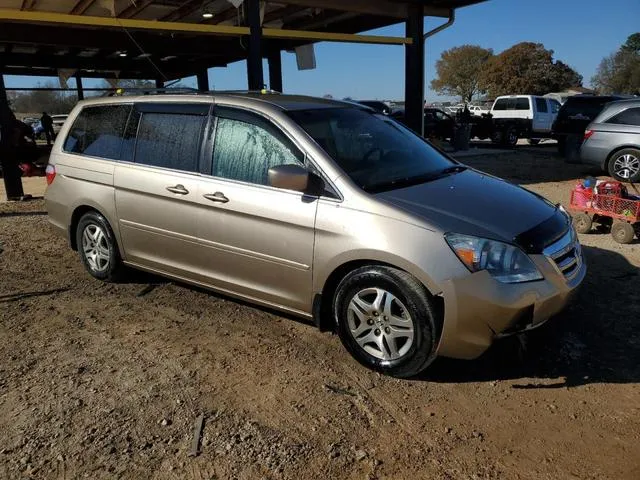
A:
x: 376, y: 152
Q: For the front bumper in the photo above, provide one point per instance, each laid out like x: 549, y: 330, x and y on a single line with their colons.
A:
x: 479, y: 309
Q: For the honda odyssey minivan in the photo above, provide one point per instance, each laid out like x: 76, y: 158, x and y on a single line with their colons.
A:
x: 323, y: 209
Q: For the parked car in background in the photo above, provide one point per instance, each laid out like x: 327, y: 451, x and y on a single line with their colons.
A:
x: 437, y: 123
x: 477, y: 110
x: 58, y: 122
x: 574, y: 116
x: 377, y: 105
x: 523, y: 116
x: 612, y: 140
x: 364, y: 226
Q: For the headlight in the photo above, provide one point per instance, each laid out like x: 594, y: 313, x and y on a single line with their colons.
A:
x: 506, y: 263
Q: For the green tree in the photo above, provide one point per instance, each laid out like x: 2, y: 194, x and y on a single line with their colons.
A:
x: 620, y: 71
x: 459, y: 71
x: 527, y: 68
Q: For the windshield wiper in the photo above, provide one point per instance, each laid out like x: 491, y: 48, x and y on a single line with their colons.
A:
x: 453, y: 169
x: 400, y: 182
x: 415, y: 180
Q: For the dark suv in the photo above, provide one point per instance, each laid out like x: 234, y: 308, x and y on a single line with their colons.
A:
x: 574, y: 116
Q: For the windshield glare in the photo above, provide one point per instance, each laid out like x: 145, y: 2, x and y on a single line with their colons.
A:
x: 376, y: 152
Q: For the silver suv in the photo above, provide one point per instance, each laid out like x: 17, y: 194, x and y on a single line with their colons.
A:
x: 324, y: 209
x: 612, y: 141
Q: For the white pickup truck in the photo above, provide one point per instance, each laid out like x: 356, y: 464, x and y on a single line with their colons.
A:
x: 523, y: 116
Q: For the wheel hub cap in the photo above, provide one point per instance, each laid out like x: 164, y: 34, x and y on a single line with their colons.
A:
x: 380, y: 324
x: 95, y: 247
x: 626, y: 166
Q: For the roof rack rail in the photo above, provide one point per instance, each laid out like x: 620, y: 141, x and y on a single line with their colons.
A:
x: 122, y: 91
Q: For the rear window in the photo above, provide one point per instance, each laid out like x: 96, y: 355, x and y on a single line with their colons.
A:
x: 584, y: 107
x: 519, y: 103
x: 97, y: 131
x: 169, y: 140
x: 630, y: 116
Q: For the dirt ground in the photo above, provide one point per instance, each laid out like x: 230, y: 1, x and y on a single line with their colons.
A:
x: 106, y: 381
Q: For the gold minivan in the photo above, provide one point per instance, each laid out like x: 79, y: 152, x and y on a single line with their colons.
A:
x: 323, y: 209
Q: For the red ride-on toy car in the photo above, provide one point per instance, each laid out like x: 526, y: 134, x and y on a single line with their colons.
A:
x: 607, y: 204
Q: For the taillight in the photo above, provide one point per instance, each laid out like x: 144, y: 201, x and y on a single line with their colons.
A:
x: 51, y: 174
x: 587, y: 135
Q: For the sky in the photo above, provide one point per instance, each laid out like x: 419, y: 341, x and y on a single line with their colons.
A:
x: 580, y: 32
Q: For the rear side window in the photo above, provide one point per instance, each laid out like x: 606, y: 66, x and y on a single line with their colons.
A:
x: 97, y: 131
x: 246, y: 148
x: 501, y: 104
x: 630, y: 116
x: 520, y: 103
x: 541, y: 105
x: 169, y: 140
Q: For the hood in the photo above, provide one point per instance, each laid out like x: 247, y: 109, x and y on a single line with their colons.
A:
x: 473, y: 203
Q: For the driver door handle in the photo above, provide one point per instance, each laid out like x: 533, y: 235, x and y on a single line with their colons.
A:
x: 178, y: 189
x: 216, y: 197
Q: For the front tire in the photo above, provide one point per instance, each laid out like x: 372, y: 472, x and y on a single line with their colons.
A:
x: 582, y: 223
x: 386, y: 320
x: 624, y: 165
x: 98, y: 248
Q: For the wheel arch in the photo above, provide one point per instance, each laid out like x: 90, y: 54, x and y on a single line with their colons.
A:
x: 77, y: 214
x: 322, y: 304
x: 605, y: 167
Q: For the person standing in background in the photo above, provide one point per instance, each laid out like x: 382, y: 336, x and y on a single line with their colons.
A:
x: 9, y: 139
x: 47, y: 124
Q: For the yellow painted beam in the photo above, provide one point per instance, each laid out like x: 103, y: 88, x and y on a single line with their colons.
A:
x: 109, y: 22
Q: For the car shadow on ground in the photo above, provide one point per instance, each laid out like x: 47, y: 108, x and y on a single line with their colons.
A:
x: 595, y: 340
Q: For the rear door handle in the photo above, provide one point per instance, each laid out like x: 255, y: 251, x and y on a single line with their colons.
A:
x: 179, y: 189
x: 216, y: 197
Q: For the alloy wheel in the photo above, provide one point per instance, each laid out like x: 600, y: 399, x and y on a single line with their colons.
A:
x: 380, y: 324
x: 95, y: 247
x: 626, y: 166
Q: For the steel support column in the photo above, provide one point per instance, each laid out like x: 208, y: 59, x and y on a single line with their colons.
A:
x: 79, y: 87
x: 275, y: 70
x: 203, y: 80
x: 255, y: 76
x: 414, y: 70
x: 159, y: 83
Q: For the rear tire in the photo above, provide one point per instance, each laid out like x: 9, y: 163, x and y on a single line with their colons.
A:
x: 622, y: 232
x: 386, y: 320
x: 582, y: 223
x: 98, y: 248
x: 624, y: 165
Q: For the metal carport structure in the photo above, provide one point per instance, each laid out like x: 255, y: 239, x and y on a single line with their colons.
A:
x: 170, y: 39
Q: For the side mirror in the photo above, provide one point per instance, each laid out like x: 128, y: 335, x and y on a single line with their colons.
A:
x: 289, y: 177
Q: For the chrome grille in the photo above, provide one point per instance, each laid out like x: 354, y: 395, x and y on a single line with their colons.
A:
x: 566, y: 255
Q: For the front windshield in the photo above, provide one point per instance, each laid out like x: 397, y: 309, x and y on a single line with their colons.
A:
x: 376, y: 152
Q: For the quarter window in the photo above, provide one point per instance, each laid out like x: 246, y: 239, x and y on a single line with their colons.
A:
x: 522, y: 103
x: 541, y: 105
x: 169, y: 140
x: 630, y: 116
x: 245, y: 150
x: 97, y: 131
